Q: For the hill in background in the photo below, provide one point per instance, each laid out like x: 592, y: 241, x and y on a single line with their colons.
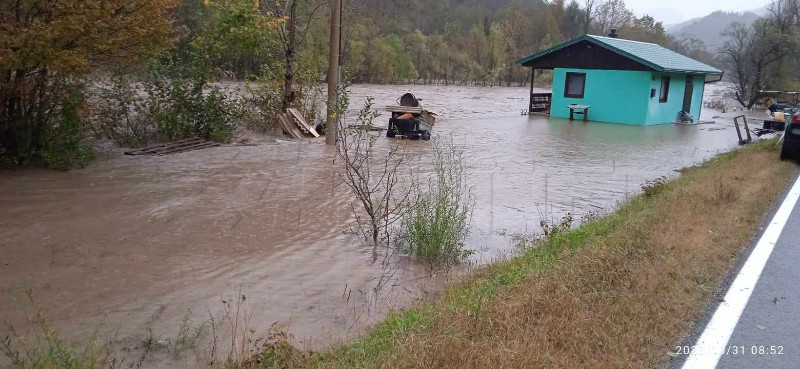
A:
x: 709, y: 28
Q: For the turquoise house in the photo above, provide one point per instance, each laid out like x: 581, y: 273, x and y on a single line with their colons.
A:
x: 620, y: 81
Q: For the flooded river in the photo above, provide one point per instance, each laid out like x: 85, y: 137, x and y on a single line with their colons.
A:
x: 129, y: 245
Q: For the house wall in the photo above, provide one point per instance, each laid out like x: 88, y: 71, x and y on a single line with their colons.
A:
x: 666, y: 112
x: 615, y: 96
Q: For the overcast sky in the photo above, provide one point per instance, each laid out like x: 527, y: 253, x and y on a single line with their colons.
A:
x: 676, y: 11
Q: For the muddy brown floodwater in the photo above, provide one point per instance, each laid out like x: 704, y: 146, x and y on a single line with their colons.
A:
x: 131, y: 244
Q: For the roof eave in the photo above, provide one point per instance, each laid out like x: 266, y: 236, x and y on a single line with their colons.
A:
x: 612, y: 48
x: 533, y: 56
x: 706, y: 72
x: 596, y: 42
x: 626, y: 54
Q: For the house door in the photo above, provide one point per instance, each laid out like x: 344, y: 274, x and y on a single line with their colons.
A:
x: 688, y: 93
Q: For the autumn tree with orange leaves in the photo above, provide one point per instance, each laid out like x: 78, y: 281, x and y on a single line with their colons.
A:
x: 47, y: 48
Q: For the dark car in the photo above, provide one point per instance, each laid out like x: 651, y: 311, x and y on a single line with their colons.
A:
x: 791, y: 140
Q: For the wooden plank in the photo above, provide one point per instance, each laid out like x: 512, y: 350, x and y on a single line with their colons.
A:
x: 286, y: 128
x: 300, y: 121
x: 429, y: 117
x: 576, y: 106
x: 202, y: 145
x: 156, y: 148
x: 289, y: 126
x: 295, y: 129
x: 404, y: 109
x: 282, y: 123
x: 188, y: 144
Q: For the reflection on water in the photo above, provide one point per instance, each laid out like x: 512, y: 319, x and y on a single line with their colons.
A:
x: 137, y: 241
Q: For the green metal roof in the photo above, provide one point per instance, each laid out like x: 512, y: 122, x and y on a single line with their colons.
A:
x: 651, y: 55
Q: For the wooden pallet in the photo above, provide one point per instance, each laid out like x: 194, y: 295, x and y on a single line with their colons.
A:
x: 189, y: 144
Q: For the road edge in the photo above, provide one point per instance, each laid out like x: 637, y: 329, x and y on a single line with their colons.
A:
x: 700, y: 324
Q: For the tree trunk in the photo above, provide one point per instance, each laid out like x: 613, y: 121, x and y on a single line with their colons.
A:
x: 289, y: 51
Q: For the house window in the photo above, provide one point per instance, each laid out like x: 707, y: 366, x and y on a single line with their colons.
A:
x: 575, y: 85
x: 664, y: 90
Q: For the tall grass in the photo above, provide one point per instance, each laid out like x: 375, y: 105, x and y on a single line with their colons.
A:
x: 45, y: 349
x: 434, y: 228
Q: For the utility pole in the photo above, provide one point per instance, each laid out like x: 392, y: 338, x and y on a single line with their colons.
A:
x: 331, y: 125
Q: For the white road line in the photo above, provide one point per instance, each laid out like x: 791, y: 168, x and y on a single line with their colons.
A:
x: 712, y: 343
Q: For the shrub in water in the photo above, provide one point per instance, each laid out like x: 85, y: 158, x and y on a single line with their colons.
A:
x: 180, y: 109
x: 434, y: 228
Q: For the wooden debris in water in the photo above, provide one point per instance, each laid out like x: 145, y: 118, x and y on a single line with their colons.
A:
x: 189, y: 144
x: 295, y: 125
x: 288, y: 126
x: 301, y: 122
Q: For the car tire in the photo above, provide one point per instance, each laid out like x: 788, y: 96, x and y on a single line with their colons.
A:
x: 784, y: 154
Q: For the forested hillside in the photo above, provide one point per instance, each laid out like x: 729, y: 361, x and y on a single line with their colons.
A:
x: 432, y: 41
x: 472, y: 41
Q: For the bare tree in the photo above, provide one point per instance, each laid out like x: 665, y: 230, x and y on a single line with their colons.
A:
x: 783, y: 14
x: 747, y: 56
x: 588, y: 11
x: 374, y: 181
x: 611, y: 14
x: 292, y: 35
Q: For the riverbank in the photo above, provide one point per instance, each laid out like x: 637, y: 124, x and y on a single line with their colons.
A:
x: 620, y: 291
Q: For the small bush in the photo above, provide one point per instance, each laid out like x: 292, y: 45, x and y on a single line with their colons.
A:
x: 264, y: 100
x: 41, y: 123
x: 653, y: 187
x: 435, y: 227
x: 52, y: 352
x: 180, y: 108
x: 166, y: 103
x: 717, y: 104
x: 119, y: 113
x: 64, y: 145
x: 45, y: 349
x: 262, y: 106
x: 552, y: 228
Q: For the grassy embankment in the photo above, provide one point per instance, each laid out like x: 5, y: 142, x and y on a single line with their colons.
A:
x: 620, y: 291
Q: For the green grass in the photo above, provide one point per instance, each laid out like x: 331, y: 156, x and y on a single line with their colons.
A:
x: 471, y: 294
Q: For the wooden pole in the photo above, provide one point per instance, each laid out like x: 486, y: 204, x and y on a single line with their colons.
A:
x: 530, y: 96
x: 331, y: 125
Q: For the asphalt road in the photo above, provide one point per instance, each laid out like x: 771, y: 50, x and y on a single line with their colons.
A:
x: 767, y: 334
